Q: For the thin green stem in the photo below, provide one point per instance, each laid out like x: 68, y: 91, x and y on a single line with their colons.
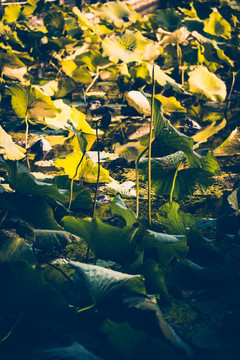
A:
x: 72, y: 181
x: 137, y: 180
x: 173, y: 183
x: 13, y: 327
x: 98, y: 174
x: 26, y: 133
x: 86, y: 308
x: 150, y: 151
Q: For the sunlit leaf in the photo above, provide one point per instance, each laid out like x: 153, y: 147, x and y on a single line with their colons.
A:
x: 87, y: 170
x: 216, y: 25
x: 106, y: 241
x: 137, y: 100
x: 179, y: 36
x: 170, y: 104
x: 28, y: 101
x: 206, y: 85
x: 12, y: 13
x: 231, y: 146
x: 8, y: 148
x: 118, y: 13
x: 125, y: 189
x: 103, y: 283
x: 162, y: 78
x: 207, y: 132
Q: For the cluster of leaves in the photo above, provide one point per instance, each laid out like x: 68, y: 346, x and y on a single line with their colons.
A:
x: 49, y: 52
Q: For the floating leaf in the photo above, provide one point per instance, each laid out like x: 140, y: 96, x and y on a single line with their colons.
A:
x: 103, y: 283
x: 8, y: 148
x: 106, y: 241
x: 168, y: 246
x: 206, y: 85
x: 216, y: 25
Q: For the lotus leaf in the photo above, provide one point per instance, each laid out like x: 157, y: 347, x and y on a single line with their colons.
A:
x: 103, y: 283
x: 216, y: 25
x: 118, y: 207
x: 8, y: 148
x: 206, y: 85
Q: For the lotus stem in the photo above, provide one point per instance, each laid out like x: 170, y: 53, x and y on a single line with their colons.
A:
x: 137, y: 180
x: 173, y: 183
x: 98, y: 174
x: 13, y: 327
x: 72, y: 181
x: 150, y: 151
x: 26, y: 133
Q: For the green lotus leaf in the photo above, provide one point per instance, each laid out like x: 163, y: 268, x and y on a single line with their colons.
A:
x: 23, y: 182
x: 206, y: 85
x: 87, y: 170
x: 163, y: 79
x: 128, y: 47
x: 231, y: 146
x: 106, y: 241
x: 8, y: 148
x: 29, y: 101
x: 167, y: 19
x: 216, y: 25
x: 78, y: 74
x: 234, y: 200
x: 118, y: 207
x: 175, y: 221
x: 14, y: 248
x: 102, y: 283
x: 29, y: 208
x: 49, y: 240
x: 10, y: 60
x: 54, y: 23
x: 164, y: 169
x: 170, y: 104
x: 92, y: 59
x: 154, y: 278
x: 118, y: 13
x: 168, y: 246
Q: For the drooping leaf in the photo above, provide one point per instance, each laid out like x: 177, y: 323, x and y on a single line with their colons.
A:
x: 163, y: 171
x: 87, y: 170
x: 216, y: 25
x: 8, y: 148
x: 168, y: 246
x: 14, y: 248
x: 71, y: 352
x: 177, y: 37
x: 102, y: 283
x: 30, y: 102
x: 175, y: 221
x: 234, y: 200
x: 12, y: 13
x: 106, y: 241
x: 48, y: 240
x: 206, y: 85
x: 118, y: 207
x: 23, y: 182
x: 231, y: 146
x: 154, y: 278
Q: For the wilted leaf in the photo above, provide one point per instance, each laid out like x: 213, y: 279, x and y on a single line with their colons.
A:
x: 170, y: 104
x: 179, y: 36
x: 124, y: 189
x: 106, y: 241
x: 10, y: 150
x: 207, y: 132
x: 118, y: 13
x: 48, y: 240
x: 216, y: 25
x: 103, y: 283
x: 14, y: 248
x: 206, y: 85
